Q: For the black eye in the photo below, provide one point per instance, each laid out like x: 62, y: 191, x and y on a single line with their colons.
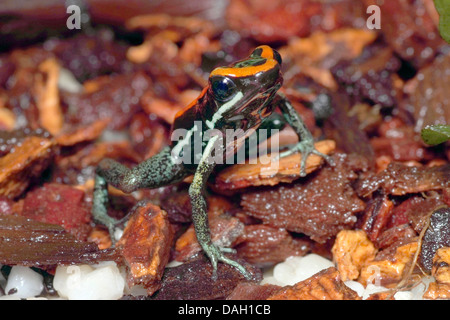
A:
x: 277, y: 56
x: 223, y: 88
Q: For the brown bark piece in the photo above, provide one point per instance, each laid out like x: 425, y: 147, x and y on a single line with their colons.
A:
x: 399, y: 179
x: 193, y: 280
x: 252, y: 291
x: 324, y: 285
x: 224, y: 232
x: 145, y: 245
x: 441, y: 272
x: 47, y: 93
x: 263, y: 245
x: 351, y: 250
x: 287, y: 169
x: 81, y: 133
x: 18, y: 245
x: 319, y: 206
x: 24, y: 163
x: 390, y: 270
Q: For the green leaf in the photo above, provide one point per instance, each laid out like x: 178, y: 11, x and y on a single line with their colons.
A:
x: 436, y: 134
x: 443, y: 8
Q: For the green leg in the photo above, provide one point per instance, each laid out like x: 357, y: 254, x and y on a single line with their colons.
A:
x: 200, y: 213
x: 306, y: 144
x: 159, y: 170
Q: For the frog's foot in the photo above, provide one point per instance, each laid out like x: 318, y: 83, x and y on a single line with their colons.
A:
x: 215, y: 254
x: 306, y: 148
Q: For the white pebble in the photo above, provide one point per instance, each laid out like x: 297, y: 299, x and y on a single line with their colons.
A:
x: 403, y: 295
x: 371, y: 289
x: 83, y: 282
x: 26, y: 282
x: 355, y: 286
x: 296, y: 269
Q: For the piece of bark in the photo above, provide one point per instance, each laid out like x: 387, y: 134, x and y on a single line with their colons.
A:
x: 32, y: 243
x: 324, y: 285
x: 319, y: 206
x: 345, y: 129
x: 193, y: 280
x: 351, y: 250
x: 287, y: 169
x: 398, y: 179
x: 388, y: 269
x: 369, y: 76
x: 441, y: 272
x: 47, y: 96
x: 263, y: 245
x: 436, y: 236
x: 224, y: 232
x: 410, y: 28
x: 26, y: 162
x: 72, y: 136
x: 59, y: 204
x: 376, y: 216
x: 145, y: 246
x: 317, y: 54
x: 427, y: 99
x: 252, y: 291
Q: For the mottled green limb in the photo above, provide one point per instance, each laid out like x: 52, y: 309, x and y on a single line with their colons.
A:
x: 306, y: 141
x: 157, y: 171
x: 200, y: 212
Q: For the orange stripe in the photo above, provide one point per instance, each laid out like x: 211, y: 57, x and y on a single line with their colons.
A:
x: 267, y: 53
x: 244, y: 72
x: 192, y: 104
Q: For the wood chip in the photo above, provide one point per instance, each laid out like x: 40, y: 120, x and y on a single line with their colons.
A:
x: 351, y: 250
x: 48, y: 101
x: 325, y: 285
x: 145, y: 245
x: 26, y: 161
x: 441, y: 272
x: 19, y: 245
x: 389, y: 271
x: 288, y: 169
x: 82, y: 133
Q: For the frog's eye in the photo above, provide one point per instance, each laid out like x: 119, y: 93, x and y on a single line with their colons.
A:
x: 223, y: 88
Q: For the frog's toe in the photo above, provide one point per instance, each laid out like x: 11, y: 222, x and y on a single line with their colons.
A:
x: 227, y: 250
x: 237, y: 265
x: 215, y: 254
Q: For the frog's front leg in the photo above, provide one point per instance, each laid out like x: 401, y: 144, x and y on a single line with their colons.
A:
x: 157, y: 171
x: 200, y: 212
x: 306, y: 144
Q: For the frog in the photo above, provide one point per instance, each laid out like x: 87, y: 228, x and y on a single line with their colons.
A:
x: 242, y: 95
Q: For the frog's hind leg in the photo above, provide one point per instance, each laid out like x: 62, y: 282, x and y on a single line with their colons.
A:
x: 157, y: 171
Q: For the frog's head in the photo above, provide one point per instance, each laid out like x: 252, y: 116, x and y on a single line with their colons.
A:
x: 242, y: 91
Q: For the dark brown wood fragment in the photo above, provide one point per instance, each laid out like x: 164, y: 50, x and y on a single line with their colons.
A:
x: 399, y: 179
x: 193, y: 280
x: 263, y: 245
x: 252, y: 291
x: 324, y: 285
x: 436, y: 236
x: 319, y: 206
x: 32, y: 243
x: 287, y: 169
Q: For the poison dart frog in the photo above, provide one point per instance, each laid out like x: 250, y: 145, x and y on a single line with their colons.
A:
x: 242, y: 96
